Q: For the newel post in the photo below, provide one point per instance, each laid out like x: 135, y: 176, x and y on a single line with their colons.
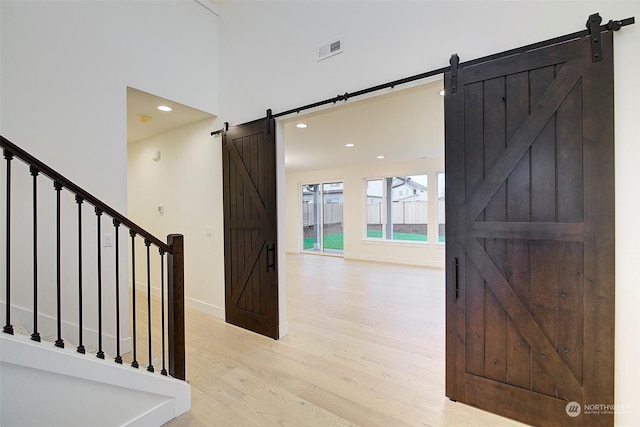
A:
x: 175, y: 267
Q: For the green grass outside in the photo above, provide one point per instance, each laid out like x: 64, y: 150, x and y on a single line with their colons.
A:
x: 336, y: 241
x: 331, y: 241
x: 399, y: 236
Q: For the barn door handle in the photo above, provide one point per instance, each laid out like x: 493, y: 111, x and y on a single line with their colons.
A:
x: 272, y: 264
x: 454, y: 278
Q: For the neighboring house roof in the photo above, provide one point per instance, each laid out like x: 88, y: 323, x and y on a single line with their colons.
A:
x: 399, y: 181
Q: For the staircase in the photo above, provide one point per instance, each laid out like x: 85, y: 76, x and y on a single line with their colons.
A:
x: 90, y: 337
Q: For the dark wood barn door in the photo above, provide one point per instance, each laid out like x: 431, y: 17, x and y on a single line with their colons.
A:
x: 250, y: 227
x: 530, y: 235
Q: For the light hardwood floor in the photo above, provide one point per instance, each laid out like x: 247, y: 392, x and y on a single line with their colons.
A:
x: 365, y: 347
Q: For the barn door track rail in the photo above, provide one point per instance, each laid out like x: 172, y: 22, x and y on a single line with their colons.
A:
x: 594, y: 29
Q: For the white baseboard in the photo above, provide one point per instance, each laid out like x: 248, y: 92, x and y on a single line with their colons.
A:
x: 283, y: 329
x: 437, y: 263
x: 193, y: 303
x: 205, y: 307
x: 142, y: 287
x: 155, y: 416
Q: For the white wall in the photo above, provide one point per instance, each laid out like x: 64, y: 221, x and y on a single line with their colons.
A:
x: 42, y: 385
x: 80, y: 56
x: 384, y: 41
x: 65, y: 68
x: 355, y: 246
x: 187, y: 181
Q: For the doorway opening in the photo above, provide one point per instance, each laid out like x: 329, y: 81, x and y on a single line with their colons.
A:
x: 396, y: 137
x: 162, y: 146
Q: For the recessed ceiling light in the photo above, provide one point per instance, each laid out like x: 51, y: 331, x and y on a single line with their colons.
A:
x: 442, y: 92
x: 380, y: 157
x: 164, y: 108
x: 349, y: 145
x: 301, y: 125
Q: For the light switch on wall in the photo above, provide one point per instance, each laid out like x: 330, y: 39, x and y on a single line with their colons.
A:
x: 108, y: 240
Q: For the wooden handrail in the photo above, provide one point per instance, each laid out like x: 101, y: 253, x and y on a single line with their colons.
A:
x: 88, y: 197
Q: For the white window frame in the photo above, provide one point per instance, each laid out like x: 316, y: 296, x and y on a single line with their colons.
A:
x: 438, y: 210
x: 384, y: 211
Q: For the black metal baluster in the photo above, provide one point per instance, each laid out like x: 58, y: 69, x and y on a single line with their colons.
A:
x: 133, y: 293
x: 59, y: 341
x: 164, y: 370
x: 148, y: 243
x: 8, y: 327
x: 116, y: 225
x: 100, y: 353
x: 80, y: 348
x: 35, y: 336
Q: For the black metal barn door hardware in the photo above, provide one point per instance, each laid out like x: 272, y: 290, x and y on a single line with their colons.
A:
x: 594, y: 29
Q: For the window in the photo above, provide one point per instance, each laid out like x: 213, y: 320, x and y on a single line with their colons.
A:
x: 396, y: 208
x: 440, y: 208
x: 322, y: 228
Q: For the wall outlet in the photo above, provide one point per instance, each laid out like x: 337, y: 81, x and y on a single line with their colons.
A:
x: 108, y: 240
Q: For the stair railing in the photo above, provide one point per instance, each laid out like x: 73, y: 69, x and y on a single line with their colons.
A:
x: 172, y: 310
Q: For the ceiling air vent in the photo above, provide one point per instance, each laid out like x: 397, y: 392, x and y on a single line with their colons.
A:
x: 329, y: 49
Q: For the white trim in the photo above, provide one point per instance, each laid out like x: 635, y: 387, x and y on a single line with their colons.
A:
x: 281, y: 201
x: 390, y: 242
x: 205, y: 307
x: 283, y: 329
x: 142, y: 288
x: 201, y: 306
x: 19, y: 352
x: 432, y: 263
x: 155, y: 416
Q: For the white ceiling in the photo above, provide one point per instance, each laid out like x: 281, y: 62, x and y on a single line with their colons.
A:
x: 141, y: 103
x: 403, y: 124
